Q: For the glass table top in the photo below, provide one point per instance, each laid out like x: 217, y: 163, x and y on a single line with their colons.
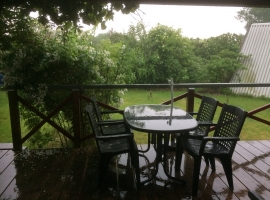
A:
x: 159, y: 118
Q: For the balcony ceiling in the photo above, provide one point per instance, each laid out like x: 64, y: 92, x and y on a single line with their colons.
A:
x: 240, y: 3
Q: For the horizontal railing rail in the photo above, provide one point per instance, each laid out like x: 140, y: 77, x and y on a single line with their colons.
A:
x: 147, y: 86
x: 76, y: 98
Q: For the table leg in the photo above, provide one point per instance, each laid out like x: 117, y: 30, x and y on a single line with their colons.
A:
x: 162, y: 149
x: 166, y: 141
x: 158, y: 158
x: 178, y: 154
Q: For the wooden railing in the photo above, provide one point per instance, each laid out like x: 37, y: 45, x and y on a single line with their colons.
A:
x: 76, y: 98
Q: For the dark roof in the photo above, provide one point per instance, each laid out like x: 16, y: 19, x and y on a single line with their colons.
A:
x: 240, y: 3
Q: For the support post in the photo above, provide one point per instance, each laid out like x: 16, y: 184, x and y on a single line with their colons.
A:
x: 190, y: 100
x: 76, y: 118
x: 15, y: 120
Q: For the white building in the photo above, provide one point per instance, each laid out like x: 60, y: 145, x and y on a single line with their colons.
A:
x: 257, y: 46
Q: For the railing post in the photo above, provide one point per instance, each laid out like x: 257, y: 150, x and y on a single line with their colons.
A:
x: 190, y: 100
x: 76, y: 118
x: 15, y: 120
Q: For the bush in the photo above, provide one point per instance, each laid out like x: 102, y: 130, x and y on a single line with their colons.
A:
x: 39, y: 56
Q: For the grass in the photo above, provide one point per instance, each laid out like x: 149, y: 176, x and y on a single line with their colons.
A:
x: 252, y: 129
x: 5, y: 130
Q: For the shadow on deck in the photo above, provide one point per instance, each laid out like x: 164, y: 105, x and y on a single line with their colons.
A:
x: 72, y: 174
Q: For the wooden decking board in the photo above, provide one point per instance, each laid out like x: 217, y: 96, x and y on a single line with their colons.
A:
x: 24, y: 167
x: 248, y: 173
x: 53, y: 187
x: 2, y: 153
x: 6, y: 146
x: 213, y: 180
x: 187, y: 169
x: 240, y: 191
x: 72, y: 174
x: 260, y: 145
x: 249, y: 147
x: 34, y: 188
x: 244, y: 153
x: 125, y: 178
x: 147, y: 163
x: 6, y: 159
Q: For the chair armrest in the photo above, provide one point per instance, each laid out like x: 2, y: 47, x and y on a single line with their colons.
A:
x: 110, y: 122
x: 119, y: 136
x: 113, y: 112
x: 206, y: 123
x: 207, y: 139
x: 193, y: 113
x: 115, y: 123
x: 220, y: 139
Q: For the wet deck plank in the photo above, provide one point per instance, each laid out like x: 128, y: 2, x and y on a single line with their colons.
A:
x: 72, y: 174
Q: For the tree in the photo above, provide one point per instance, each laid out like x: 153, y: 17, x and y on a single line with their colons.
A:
x: 167, y: 55
x: 253, y: 15
x: 56, y: 13
x: 38, y: 57
x: 33, y: 56
x: 220, y: 57
x: 64, y: 11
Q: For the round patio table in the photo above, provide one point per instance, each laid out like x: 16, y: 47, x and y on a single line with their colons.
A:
x: 160, y: 120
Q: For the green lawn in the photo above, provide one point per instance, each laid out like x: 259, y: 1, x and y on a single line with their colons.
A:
x: 5, y: 132
x: 252, y: 129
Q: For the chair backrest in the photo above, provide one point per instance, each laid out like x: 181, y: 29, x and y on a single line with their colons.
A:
x: 206, y: 112
x: 230, y: 123
x: 91, y: 115
x: 96, y: 108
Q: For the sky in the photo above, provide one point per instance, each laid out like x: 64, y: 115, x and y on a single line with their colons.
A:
x: 194, y: 21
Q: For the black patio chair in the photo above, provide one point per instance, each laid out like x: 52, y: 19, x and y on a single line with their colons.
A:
x: 204, y: 117
x: 220, y: 146
x: 112, y: 145
x: 116, y: 126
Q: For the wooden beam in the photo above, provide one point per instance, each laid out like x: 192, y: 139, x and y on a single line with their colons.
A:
x: 233, y: 3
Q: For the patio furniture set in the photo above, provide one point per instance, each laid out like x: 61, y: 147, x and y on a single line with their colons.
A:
x: 167, y: 123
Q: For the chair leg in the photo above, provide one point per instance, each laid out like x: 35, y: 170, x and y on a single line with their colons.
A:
x: 206, y: 159
x: 136, y: 166
x: 196, y: 174
x: 227, y: 166
x: 104, y: 162
x: 212, y: 163
x: 178, y: 154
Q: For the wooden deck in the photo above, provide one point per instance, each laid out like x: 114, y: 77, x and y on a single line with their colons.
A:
x: 72, y: 174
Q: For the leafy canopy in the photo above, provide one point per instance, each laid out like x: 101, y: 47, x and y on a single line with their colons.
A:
x: 63, y: 11
x: 253, y: 15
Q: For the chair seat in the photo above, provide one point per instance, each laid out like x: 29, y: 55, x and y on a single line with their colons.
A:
x: 115, y: 145
x: 194, y: 133
x: 192, y: 146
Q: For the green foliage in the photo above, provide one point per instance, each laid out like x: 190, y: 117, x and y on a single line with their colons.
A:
x: 218, y: 57
x: 164, y: 53
x: 253, y: 15
x: 69, y: 11
x: 37, y: 57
